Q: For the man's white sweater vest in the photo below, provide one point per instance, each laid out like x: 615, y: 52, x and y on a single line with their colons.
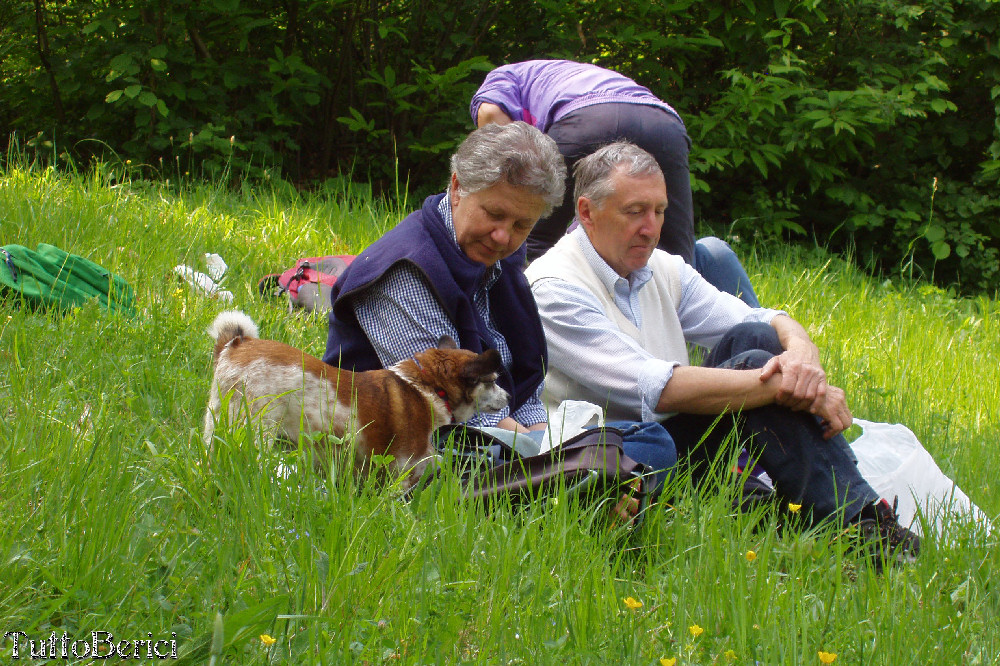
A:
x: 661, y: 334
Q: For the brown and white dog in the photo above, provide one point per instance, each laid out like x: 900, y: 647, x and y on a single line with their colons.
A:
x: 390, y: 412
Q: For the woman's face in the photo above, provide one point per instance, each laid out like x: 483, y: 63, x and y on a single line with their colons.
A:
x: 492, y: 223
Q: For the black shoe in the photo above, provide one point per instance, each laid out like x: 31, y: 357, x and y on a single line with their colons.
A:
x: 879, y: 533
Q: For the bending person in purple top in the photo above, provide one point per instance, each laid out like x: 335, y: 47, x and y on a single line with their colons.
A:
x: 583, y: 107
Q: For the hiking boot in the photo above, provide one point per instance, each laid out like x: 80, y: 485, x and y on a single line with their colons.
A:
x: 879, y: 533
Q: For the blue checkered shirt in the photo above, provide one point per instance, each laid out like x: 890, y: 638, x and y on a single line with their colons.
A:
x: 401, y: 317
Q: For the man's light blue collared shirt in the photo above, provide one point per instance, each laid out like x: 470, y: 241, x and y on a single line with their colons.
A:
x: 588, y: 346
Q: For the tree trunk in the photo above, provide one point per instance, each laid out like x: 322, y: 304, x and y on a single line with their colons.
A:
x: 43, y: 55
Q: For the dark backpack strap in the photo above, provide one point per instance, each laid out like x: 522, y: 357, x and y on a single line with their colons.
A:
x: 290, y: 279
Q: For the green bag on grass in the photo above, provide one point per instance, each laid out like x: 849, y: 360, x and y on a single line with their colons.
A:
x: 49, y: 276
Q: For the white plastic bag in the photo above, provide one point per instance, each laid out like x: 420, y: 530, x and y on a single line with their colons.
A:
x: 896, y: 464
x: 569, y: 419
x: 216, y: 266
x: 201, y: 283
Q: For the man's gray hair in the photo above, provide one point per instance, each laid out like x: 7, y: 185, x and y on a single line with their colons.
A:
x: 517, y: 154
x: 594, y: 172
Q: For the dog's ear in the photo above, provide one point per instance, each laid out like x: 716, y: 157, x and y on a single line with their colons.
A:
x: 447, y: 342
x: 487, y: 363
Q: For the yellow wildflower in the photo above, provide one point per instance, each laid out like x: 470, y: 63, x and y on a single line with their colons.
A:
x: 632, y: 603
x: 668, y: 662
x: 695, y: 630
x: 751, y: 556
x: 267, y: 640
x: 730, y: 654
x: 794, y: 508
x: 827, y: 657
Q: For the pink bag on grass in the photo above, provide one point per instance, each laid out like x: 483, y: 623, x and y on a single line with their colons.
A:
x: 308, y: 283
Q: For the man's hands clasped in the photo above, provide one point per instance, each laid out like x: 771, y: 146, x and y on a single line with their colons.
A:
x: 803, y: 387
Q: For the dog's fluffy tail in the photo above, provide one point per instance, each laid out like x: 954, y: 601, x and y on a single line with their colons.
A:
x: 229, y: 326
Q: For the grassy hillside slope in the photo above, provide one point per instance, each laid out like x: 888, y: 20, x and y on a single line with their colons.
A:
x: 115, y: 522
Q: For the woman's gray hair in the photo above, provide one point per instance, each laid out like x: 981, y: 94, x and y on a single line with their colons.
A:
x: 517, y: 154
x: 594, y: 172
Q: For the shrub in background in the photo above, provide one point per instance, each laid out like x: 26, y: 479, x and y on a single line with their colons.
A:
x: 869, y: 126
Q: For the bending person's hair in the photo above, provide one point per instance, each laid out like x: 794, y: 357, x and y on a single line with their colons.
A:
x: 594, y: 172
x: 517, y: 154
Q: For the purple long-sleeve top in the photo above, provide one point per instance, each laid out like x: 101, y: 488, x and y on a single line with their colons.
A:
x: 540, y: 92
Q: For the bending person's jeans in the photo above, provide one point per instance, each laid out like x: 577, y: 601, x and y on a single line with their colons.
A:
x: 806, y: 469
x: 657, y: 131
x: 718, y: 264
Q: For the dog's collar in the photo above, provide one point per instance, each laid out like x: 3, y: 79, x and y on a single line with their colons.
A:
x: 447, y: 404
x: 438, y: 390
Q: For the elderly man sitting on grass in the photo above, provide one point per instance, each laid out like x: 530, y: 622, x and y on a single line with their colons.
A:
x: 618, y: 315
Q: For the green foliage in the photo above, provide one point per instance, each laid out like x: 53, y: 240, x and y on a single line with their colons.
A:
x: 810, y: 121
x: 228, y: 86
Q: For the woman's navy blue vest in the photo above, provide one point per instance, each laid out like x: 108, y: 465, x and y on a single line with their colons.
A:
x: 423, y: 240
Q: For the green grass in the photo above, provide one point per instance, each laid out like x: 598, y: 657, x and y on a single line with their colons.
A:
x: 114, y: 520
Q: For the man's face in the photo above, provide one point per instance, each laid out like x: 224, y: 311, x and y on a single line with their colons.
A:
x: 492, y: 223
x: 625, y: 227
